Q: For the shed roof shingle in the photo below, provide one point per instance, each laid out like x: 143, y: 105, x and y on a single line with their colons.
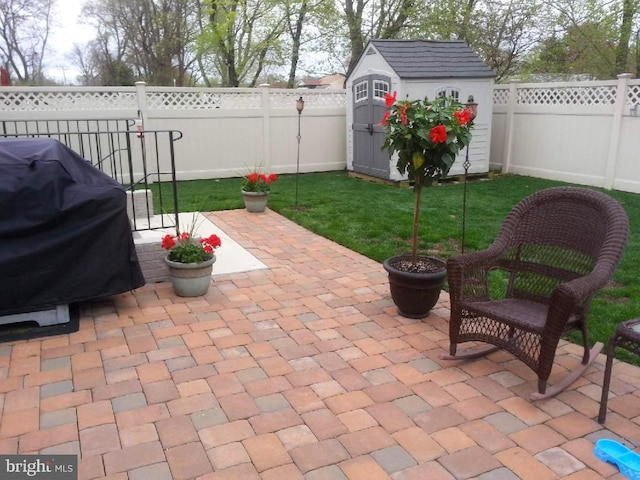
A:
x: 432, y: 59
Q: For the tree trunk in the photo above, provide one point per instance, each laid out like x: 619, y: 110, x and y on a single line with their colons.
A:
x: 356, y: 37
x: 622, y: 50
x: 295, y: 49
x: 416, y: 220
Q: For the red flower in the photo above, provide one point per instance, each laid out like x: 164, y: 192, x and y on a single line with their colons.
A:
x: 390, y: 99
x: 258, y: 182
x: 385, y: 118
x: 183, y: 250
x: 213, y: 240
x: 168, y: 242
x: 463, y: 116
x: 402, y: 110
x: 438, y: 134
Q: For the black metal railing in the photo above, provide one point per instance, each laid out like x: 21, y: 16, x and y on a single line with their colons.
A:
x: 142, y: 161
x: 40, y: 127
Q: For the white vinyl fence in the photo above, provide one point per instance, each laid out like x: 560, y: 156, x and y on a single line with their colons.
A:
x: 226, y: 132
x: 582, y: 132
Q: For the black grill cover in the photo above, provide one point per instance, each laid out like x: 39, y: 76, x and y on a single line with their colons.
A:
x: 65, y: 236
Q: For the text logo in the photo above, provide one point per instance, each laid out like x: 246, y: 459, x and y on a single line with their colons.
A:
x: 50, y: 467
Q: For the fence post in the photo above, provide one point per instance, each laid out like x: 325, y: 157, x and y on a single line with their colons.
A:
x: 614, y: 134
x: 266, y: 128
x: 143, y: 106
x: 508, y: 138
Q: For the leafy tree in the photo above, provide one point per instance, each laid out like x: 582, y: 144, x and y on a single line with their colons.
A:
x: 500, y: 31
x: 630, y: 10
x: 97, y: 66
x: 595, y: 35
x: 242, y: 36
x: 24, y: 32
x: 368, y: 19
x: 152, y: 37
x: 504, y: 33
x: 303, y: 20
x: 84, y: 58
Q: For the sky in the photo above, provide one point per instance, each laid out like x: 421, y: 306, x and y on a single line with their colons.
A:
x: 68, y: 31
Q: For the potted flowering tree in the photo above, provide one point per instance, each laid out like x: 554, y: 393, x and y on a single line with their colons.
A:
x: 426, y: 136
x: 255, y: 190
x: 190, y: 261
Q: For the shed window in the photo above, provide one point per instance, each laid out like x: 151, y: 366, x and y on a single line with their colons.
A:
x: 450, y: 92
x: 380, y: 88
x: 361, y: 91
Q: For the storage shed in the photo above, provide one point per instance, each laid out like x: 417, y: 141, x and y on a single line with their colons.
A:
x: 414, y: 69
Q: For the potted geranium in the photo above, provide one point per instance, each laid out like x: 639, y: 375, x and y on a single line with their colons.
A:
x: 426, y: 136
x: 190, y: 261
x: 255, y: 190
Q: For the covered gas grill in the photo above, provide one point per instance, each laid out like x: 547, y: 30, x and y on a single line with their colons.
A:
x: 65, y: 236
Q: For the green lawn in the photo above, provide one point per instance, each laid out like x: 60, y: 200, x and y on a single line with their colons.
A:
x: 375, y: 220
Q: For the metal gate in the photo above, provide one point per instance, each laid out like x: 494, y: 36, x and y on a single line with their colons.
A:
x: 368, y: 135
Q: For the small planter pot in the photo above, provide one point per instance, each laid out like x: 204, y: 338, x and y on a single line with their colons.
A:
x: 190, y: 279
x: 415, y: 294
x: 255, y: 202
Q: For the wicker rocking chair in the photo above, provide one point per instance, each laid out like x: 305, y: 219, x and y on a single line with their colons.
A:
x: 555, y: 249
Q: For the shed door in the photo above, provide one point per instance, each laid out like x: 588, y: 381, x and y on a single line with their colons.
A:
x: 368, y: 135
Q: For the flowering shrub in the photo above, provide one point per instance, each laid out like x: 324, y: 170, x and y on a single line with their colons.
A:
x: 258, y: 182
x: 184, y: 248
x: 426, y: 135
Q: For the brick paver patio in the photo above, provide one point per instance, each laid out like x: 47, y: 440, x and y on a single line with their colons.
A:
x: 300, y: 371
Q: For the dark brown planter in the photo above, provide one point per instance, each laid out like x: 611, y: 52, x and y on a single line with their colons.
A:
x: 415, y: 294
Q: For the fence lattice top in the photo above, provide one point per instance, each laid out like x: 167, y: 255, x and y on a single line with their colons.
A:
x: 32, y: 99
x: 592, y: 93
x: 16, y: 100
x: 48, y: 99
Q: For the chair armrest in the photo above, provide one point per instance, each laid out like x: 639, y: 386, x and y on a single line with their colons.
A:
x: 572, y: 294
x: 468, y: 274
x: 581, y: 289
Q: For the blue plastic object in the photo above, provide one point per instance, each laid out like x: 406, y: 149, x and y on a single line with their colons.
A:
x: 627, y: 461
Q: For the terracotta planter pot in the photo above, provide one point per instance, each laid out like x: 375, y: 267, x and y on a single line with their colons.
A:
x: 415, y: 294
x: 255, y: 202
x: 190, y: 279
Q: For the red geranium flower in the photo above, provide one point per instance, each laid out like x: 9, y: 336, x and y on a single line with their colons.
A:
x: 438, y: 134
x: 258, y: 182
x: 212, y: 240
x: 184, y: 249
x: 168, y: 242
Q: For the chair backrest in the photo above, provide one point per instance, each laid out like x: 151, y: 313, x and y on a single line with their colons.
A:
x: 559, y: 234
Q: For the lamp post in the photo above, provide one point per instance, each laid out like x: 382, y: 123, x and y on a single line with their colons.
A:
x: 472, y: 107
x: 299, y: 108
